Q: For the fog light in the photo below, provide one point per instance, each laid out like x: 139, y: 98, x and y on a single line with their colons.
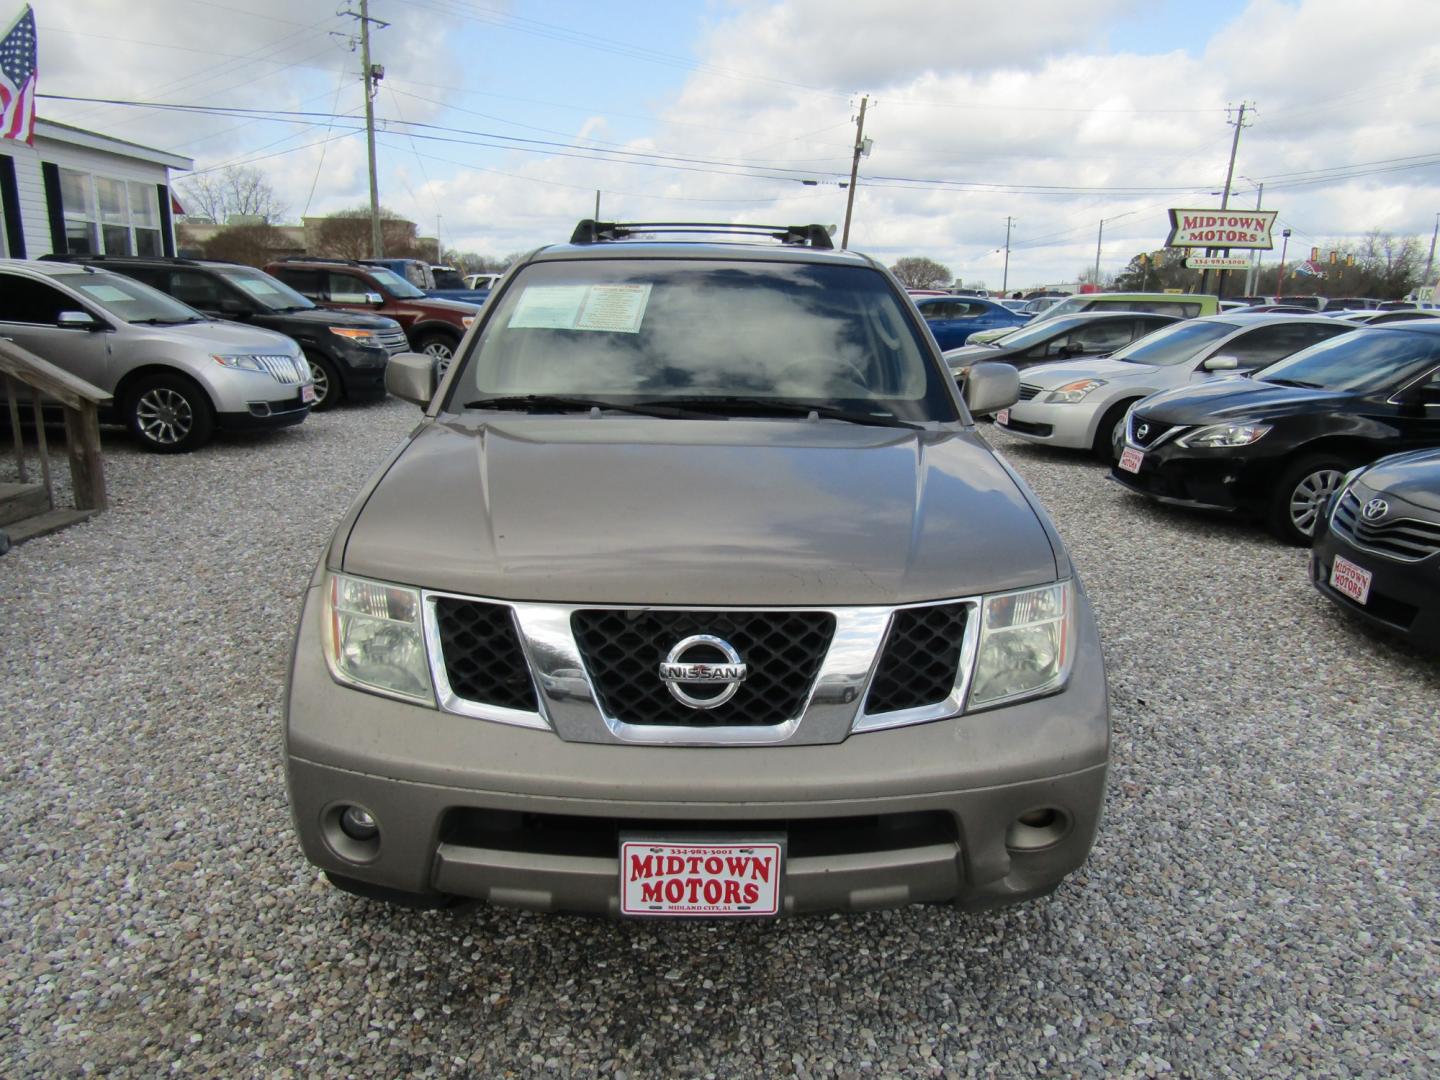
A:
x: 1038, y: 819
x: 1036, y: 829
x: 358, y: 824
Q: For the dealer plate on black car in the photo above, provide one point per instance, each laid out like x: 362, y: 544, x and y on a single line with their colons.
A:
x: 695, y: 878
x: 1351, y: 580
x: 1130, y: 459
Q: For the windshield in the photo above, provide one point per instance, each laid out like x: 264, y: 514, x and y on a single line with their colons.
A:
x: 394, y: 283
x: 128, y: 299
x: 1033, y: 335
x: 1361, y: 361
x: 270, y: 293
x: 629, y: 331
x: 1173, y: 344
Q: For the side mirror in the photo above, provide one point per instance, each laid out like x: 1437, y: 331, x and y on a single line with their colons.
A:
x: 1072, y: 348
x: 1222, y: 363
x: 411, y: 377
x: 991, y: 387
x: 77, y: 320
x: 233, y: 307
x: 374, y: 299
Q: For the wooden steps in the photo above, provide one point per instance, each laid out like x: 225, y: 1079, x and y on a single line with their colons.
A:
x: 45, y: 524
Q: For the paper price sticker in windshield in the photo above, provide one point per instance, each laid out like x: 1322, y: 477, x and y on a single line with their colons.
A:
x: 106, y: 293
x: 618, y: 309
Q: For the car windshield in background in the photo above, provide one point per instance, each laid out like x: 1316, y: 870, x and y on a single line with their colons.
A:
x: 1359, y: 362
x: 397, y: 285
x: 265, y: 290
x: 128, y: 299
x: 1173, y: 344
x: 703, y: 332
x: 1034, y: 334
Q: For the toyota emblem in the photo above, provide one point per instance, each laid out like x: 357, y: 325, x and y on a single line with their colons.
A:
x: 1375, y: 509
x: 677, y: 673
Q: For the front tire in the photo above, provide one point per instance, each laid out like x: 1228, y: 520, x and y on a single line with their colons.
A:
x: 328, y: 390
x: 169, y: 414
x: 1297, y: 504
x: 1105, y: 435
x: 441, y: 350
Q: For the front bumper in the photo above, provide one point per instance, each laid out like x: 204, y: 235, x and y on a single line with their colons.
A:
x: 520, y: 817
x: 1202, y: 479
x: 265, y: 415
x: 1404, y: 597
x: 362, y: 370
x: 1053, y: 424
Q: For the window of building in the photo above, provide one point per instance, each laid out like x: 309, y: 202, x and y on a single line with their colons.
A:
x: 108, y: 216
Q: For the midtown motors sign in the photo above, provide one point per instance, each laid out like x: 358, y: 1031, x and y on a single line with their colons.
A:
x: 1222, y: 228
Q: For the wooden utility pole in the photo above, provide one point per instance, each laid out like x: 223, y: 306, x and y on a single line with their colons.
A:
x: 372, y: 74
x: 854, y: 171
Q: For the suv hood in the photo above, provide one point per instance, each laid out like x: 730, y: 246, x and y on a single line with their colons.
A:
x: 222, y: 336
x: 1049, y: 376
x: 327, y: 317
x: 431, y: 303
x: 703, y: 512
x: 1414, y: 477
x: 1219, y: 400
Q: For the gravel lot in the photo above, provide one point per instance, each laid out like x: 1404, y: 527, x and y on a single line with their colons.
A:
x: 1262, y: 900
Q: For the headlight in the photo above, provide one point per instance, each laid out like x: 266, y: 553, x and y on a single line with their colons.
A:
x: 245, y: 362
x: 1072, y: 392
x: 374, y: 637
x: 364, y: 337
x: 1225, y: 435
x: 1026, y: 641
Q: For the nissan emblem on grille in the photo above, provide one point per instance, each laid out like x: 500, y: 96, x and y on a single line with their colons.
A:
x: 676, y: 672
x: 1375, y: 509
x: 1142, y: 431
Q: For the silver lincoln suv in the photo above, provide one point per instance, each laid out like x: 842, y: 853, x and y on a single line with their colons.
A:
x: 176, y: 376
x: 696, y: 593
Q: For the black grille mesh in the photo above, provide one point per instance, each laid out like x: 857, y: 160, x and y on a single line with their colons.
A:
x: 917, y: 665
x: 483, y: 658
x: 782, y: 651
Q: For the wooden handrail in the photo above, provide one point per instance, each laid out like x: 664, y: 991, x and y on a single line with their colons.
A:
x: 80, y: 400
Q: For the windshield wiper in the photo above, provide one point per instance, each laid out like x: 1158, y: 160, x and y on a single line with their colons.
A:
x: 156, y: 321
x: 741, y: 406
x: 555, y: 403
x: 1296, y: 382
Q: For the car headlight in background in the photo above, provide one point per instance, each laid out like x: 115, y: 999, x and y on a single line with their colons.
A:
x: 242, y: 362
x: 1026, y: 642
x: 374, y: 637
x: 1225, y: 435
x: 1072, y: 392
x: 359, y: 336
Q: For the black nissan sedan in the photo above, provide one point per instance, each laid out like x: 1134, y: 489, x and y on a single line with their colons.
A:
x: 1378, y: 553
x: 1276, y: 446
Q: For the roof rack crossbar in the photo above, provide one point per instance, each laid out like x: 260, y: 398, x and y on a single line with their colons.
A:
x: 590, y: 231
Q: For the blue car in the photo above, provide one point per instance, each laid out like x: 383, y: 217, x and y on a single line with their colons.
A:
x: 954, y: 318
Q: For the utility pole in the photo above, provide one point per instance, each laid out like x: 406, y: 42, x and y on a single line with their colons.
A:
x: 854, y: 170
x: 372, y: 74
x: 1005, y: 276
x: 597, y: 204
x: 1098, y: 240
x: 439, y: 249
x: 1430, y: 262
x: 1238, y: 122
x: 1253, y: 274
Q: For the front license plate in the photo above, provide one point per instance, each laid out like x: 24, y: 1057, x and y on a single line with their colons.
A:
x: 1002, y: 417
x: 1352, y: 580
x: 705, y: 880
x: 307, y: 394
x: 1130, y: 459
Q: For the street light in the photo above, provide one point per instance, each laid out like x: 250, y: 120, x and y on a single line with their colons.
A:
x: 1284, y: 247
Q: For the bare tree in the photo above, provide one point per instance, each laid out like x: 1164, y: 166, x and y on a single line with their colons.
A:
x: 235, y: 191
x: 918, y: 272
x: 346, y: 235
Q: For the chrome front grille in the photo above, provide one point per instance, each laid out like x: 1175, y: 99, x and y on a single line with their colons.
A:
x: 286, y: 369
x: 1028, y: 391
x: 1403, y: 538
x: 394, y: 340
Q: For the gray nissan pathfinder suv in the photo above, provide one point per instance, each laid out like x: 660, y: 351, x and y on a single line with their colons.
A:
x: 696, y: 593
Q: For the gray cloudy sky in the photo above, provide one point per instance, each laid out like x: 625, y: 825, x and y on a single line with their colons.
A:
x: 1056, y: 113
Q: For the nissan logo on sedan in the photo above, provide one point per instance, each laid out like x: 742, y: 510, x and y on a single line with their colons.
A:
x: 676, y: 673
x: 1142, y: 431
x: 1375, y: 509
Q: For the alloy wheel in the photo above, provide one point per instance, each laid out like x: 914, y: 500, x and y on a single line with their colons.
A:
x: 1308, y: 499
x: 321, y: 381
x: 164, y: 415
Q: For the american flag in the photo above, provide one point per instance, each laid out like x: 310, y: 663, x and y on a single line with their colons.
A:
x: 17, y: 79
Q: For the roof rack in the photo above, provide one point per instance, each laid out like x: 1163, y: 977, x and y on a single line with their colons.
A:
x: 175, y: 260
x: 321, y: 259
x: 590, y: 231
